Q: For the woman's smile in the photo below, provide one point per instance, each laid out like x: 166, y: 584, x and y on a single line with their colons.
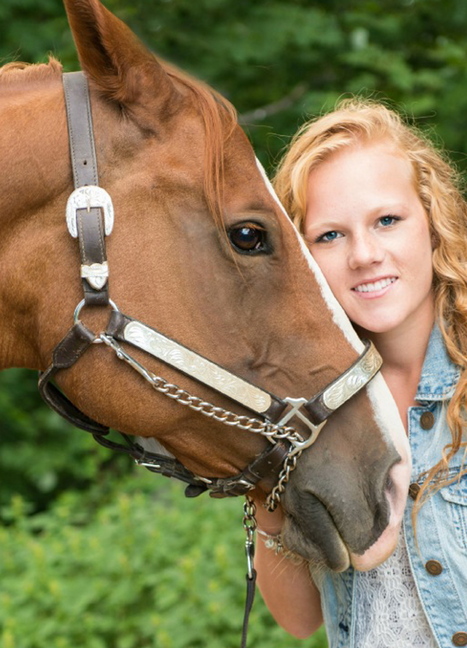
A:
x: 374, y: 288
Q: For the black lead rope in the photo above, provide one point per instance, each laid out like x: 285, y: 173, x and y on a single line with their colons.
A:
x: 250, y: 597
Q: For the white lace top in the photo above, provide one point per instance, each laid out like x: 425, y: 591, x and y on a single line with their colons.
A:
x: 388, y: 609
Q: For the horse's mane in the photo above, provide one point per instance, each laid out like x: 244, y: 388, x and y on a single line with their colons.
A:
x: 18, y: 72
x: 218, y: 114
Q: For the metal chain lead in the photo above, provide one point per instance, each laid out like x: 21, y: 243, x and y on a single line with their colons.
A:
x: 250, y: 525
x: 267, y: 429
x: 273, y: 499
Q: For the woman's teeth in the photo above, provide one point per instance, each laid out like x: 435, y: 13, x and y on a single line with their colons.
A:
x: 374, y: 287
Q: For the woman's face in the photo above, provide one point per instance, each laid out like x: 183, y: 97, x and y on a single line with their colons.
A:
x: 368, y: 231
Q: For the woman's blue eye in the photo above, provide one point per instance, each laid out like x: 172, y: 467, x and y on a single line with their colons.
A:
x: 388, y: 220
x: 328, y: 236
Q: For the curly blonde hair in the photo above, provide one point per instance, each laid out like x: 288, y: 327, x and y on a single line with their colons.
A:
x: 439, y: 188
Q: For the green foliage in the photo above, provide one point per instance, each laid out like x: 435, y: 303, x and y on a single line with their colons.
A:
x: 113, y: 560
x: 280, y: 61
x: 40, y: 454
x: 149, y: 568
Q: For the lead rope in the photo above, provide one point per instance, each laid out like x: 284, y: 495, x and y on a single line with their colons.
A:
x: 249, y: 524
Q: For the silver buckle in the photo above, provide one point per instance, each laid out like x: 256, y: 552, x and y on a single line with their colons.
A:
x: 88, y: 197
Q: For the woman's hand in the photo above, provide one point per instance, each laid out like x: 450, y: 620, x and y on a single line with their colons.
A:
x: 286, y: 586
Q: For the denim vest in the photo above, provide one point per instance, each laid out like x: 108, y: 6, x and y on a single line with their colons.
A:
x: 439, y: 562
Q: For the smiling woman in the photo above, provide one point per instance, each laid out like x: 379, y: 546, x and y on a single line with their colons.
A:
x: 380, y: 211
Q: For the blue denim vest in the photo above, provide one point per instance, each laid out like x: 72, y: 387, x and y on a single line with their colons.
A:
x: 439, y: 561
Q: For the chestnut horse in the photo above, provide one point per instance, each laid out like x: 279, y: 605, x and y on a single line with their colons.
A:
x: 201, y: 251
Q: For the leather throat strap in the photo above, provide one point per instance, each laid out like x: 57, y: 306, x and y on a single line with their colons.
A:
x: 66, y: 353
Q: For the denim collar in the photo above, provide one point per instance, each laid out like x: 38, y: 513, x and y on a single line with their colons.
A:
x: 439, y: 375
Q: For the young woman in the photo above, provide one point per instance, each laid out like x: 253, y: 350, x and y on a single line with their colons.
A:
x: 381, y: 212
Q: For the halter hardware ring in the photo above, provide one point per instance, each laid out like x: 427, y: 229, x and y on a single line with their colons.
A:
x: 299, y: 446
x: 97, y: 338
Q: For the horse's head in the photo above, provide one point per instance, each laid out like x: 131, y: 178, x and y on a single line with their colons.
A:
x: 202, y: 251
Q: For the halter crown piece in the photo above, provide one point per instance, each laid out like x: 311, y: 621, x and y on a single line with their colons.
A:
x: 90, y: 218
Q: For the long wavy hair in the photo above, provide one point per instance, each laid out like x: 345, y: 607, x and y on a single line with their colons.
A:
x: 440, y: 190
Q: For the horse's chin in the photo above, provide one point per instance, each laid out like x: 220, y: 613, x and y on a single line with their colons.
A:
x: 336, y: 555
x: 380, y: 550
x: 333, y: 553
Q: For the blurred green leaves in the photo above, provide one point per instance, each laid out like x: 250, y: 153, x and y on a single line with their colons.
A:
x: 411, y: 52
x: 147, y: 569
x: 40, y: 454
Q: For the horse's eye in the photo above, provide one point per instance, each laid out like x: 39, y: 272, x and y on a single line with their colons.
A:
x: 248, y: 238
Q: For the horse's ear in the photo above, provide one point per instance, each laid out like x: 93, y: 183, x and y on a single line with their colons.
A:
x: 122, y: 68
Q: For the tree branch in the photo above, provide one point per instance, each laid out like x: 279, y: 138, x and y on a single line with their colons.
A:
x: 259, y: 114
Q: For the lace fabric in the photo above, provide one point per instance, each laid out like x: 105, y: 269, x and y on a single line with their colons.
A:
x: 388, y: 610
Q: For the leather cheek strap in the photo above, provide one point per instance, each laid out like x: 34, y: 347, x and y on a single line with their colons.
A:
x: 66, y: 353
x: 90, y: 224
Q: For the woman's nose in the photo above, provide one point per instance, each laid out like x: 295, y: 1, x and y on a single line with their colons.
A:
x: 365, y: 250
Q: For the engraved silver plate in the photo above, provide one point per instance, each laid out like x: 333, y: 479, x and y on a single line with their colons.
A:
x: 197, y: 366
x: 96, y: 274
x: 353, y: 380
x: 86, y: 198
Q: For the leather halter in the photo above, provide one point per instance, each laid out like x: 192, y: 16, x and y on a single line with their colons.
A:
x: 90, y: 218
